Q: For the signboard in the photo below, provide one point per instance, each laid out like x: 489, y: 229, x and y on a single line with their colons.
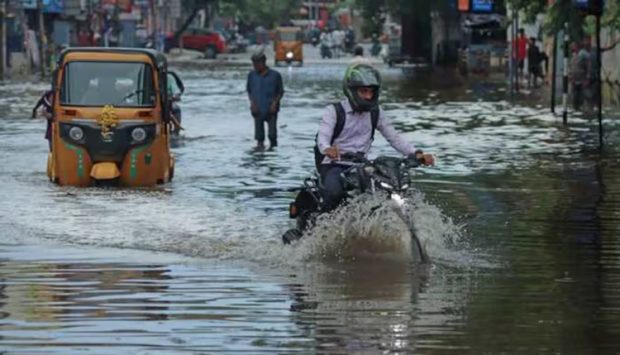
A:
x: 49, y: 6
x: 476, y: 6
x: 591, y: 7
x: 482, y: 6
x: 463, y: 5
x: 123, y: 5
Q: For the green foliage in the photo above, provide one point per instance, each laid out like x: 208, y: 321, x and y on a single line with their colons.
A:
x: 373, y: 13
x: 268, y: 13
x: 529, y: 9
x: 563, y: 11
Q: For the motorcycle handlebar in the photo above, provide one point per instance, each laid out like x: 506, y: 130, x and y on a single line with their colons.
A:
x: 360, y: 158
x: 354, y: 157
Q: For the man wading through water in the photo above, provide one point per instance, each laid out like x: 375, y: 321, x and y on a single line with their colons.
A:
x: 265, y: 90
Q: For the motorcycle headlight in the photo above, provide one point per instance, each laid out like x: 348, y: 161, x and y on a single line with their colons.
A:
x: 369, y: 170
x: 385, y: 185
x: 289, y: 55
x: 76, y: 133
x: 138, y: 134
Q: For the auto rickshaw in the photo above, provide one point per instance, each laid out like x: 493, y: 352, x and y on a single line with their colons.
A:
x: 288, y: 45
x: 111, y: 118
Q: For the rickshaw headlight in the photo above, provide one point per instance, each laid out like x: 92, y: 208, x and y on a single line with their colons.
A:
x: 138, y: 134
x: 76, y: 133
x: 289, y: 55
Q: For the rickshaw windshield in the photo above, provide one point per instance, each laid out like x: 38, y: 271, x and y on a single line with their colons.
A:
x: 288, y: 36
x: 123, y: 84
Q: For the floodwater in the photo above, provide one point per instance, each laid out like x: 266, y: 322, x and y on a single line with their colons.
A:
x: 520, y: 218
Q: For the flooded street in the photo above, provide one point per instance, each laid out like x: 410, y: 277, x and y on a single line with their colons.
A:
x: 520, y: 218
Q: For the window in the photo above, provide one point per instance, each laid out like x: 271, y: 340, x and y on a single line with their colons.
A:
x: 122, y: 84
x: 289, y: 36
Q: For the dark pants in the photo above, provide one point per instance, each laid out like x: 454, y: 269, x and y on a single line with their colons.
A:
x: 333, y: 187
x: 259, y: 129
x: 577, y: 96
x: 176, y: 111
x: 48, y: 133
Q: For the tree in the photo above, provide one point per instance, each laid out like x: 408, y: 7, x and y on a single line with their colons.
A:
x: 267, y: 13
x: 374, y: 11
x: 563, y: 11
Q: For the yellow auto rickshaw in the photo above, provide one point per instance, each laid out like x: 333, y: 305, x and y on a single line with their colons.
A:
x: 288, y: 46
x: 111, y: 118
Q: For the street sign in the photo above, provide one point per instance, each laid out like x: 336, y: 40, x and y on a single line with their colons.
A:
x: 49, y: 6
x: 483, y: 6
x: 464, y: 5
x: 476, y: 6
x: 590, y: 7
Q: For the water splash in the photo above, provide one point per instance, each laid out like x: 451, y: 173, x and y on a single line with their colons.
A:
x: 372, y: 227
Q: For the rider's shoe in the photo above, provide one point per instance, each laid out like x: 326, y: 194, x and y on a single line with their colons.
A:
x: 291, y: 235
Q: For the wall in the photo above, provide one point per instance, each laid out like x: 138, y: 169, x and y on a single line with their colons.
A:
x: 611, y: 71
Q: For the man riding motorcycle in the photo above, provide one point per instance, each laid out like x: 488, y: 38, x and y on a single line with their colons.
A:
x: 348, y: 127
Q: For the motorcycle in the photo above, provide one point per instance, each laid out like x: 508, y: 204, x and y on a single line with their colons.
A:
x: 326, y: 52
x: 383, y: 176
x: 375, y: 50
x: 315, y: 41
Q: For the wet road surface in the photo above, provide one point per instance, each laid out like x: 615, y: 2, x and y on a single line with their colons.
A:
x: 519, y: 216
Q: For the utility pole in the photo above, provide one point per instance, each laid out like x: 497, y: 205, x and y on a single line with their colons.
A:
x: 565, y: 77
x: 516, y: 36
x: 3, y: 47
x: 514, y: 52
x: 554, y: 71
x: 42, y: 38
x: 599, y: 81
x: 511, y: 59
x: 156, y: 25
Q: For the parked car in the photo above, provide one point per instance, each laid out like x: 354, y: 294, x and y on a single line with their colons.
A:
x: 209, y: 42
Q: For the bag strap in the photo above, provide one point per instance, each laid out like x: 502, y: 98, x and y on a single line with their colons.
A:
x: 341, y: 117
x: 374, y: 120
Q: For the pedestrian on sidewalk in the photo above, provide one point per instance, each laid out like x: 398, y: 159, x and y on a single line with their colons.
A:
x: 520, y: 53
x: 579, y: 74
x: 534, y: 59
x: 265, y: 90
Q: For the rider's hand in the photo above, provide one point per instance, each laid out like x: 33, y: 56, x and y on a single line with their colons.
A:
x: 428, y: 159
x: 333, y: 153
x: 422, y: 158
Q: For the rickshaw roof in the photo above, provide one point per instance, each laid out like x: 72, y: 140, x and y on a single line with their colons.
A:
x: 157, y: 57
x: 289, y: 28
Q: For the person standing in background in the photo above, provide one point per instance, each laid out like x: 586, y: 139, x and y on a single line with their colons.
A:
x: 265, y: 90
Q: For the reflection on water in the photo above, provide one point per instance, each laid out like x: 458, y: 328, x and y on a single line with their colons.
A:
x: 520, y: 218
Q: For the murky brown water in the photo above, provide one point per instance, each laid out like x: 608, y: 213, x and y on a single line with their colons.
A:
x: 520, y: 218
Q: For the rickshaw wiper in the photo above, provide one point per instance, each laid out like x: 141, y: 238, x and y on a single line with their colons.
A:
x: 131, y: 94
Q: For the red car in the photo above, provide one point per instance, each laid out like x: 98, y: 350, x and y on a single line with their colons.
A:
x: 200, y: 39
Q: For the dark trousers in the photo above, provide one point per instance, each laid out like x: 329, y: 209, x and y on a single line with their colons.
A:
x: 272, y: 124
x: 333, y: 187
x: 48, y: 133
x: 577, y: 96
